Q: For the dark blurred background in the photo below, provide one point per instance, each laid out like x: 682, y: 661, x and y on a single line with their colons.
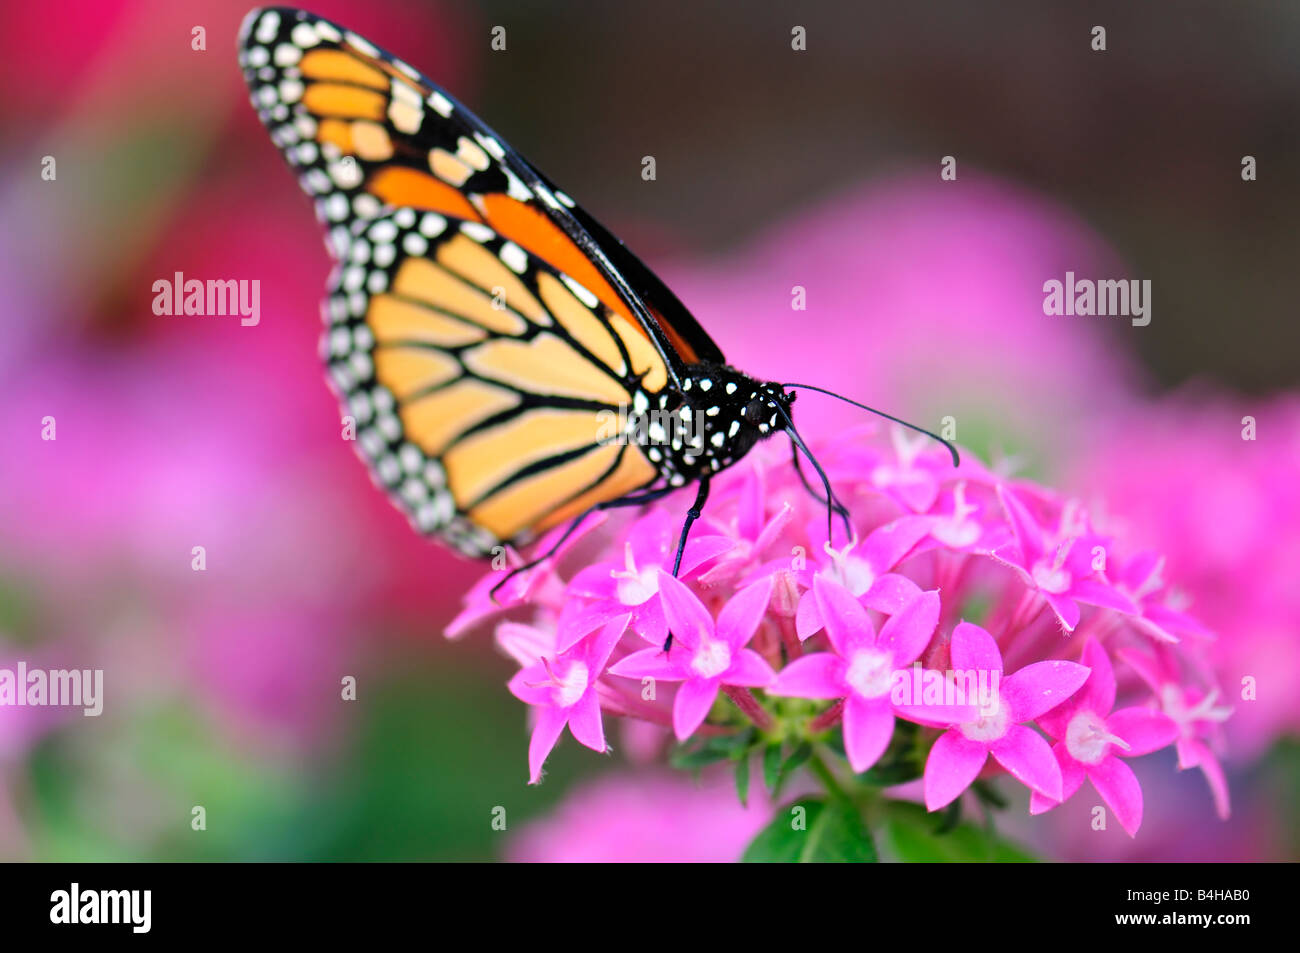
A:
x: 1143, y: 141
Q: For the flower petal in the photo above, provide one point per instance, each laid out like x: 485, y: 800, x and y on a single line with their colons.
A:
x: 1147, y: 668
x: 1144, y: 729
x: 887, y: 545
x: 531, y: 685
x: 1200, y: 756
x: 868, y: 726
x: 808, y: 618
x: 701, y: 550
x: 688, y: 620
x: 890, y: 593
x: 749, y: 506
x: 550, y: 722
x: 1098, y: 692
x: 1119, y: 788
x: 1072, y: 776
x: 601, y: 645
x: 750, y: 670
x: 740, y: 617
x: 526, y: 644
x: 577, y: 621
x: 595, y: 582
x: 1030, y: 760
x: 820, y: 675
x: 692, y: 704
x: 1066, y: 609
x: 584, y: 722
x: 650, y: 663
x: 955, y: 761
x: 846, y: 621
x: 1097, y: 593
x: 773, y: 528
x: 1040, y: 687
x: 649, y: 621
x: 974, y: 650
x: 1029, y: 534
x: 907, y: 634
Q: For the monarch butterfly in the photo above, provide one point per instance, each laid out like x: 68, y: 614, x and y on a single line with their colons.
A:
x: 480, y: 325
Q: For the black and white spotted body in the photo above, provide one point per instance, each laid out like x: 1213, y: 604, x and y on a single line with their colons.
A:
x: 722, y: 414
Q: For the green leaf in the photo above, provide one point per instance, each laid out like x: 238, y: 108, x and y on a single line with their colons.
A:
x: 812, y: 830
x: 742, y: 780
x: 910, y: 833
x: 950, y: 818
x: 792, y: 763
x: 887, y: 775
x: 772, y: 765
x: 687, y: 759
x: 989, y: 795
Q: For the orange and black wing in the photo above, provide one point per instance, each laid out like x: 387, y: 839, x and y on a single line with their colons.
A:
x: 489, y: 337
x: 488, y: 387
x: 365, y: 131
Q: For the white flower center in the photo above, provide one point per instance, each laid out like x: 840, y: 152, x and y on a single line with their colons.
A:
x: 957, y: 533
x: 1087, y: 739
x: 1174, y: 701
x: 991, y: 726
x: 1053, y: 576
x: 870, y: 673
x: 958, y: 530
x: 1049, y: 578
x: 712, y: 658
x: 569, y: 686
x: 635, y: 586
x: 854, y: 573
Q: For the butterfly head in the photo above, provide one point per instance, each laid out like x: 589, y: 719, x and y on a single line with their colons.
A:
x: 729, y: 412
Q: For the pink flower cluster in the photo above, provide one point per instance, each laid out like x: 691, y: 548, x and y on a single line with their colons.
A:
x: 990, y: 616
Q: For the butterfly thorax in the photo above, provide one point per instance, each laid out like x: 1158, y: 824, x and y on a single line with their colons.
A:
x: 715, y: 419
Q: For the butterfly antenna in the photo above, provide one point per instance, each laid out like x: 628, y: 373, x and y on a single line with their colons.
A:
x: 956, y: 459
x: 833, y: 506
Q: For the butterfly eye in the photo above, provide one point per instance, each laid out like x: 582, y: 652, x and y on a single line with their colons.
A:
x: 755, y: 412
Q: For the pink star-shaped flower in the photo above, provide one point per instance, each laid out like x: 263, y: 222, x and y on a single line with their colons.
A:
x: 704, y: 657
x: 1090, y: 737
x: 863, y: 567
x: 608, y: 589
x: 1195, y: 712
x: 861, y: 669
x: 960, y: 753
x: 1059, y: 566
x: 1141, y: 578
x: 959, y: 524
x: 751, y: 531
x: 562, y: 691
x: 528, y: 585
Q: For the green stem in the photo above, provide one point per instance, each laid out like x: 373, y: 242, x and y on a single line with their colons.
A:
x: 827, y: 777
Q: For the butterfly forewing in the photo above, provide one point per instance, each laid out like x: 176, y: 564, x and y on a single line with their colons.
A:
x: 365, y: 130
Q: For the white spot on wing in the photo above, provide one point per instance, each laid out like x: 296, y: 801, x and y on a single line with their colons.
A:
x: 477, y: 231
x: 515, y: 258
x: 581, y: 293
x: 441, y: 104
x: 363, y: 45
x: 305, y: 35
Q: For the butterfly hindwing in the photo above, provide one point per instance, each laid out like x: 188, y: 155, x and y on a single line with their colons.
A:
x: 485, y: 384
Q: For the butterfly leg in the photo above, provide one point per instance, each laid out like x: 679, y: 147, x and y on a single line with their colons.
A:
x: 701, y: 497
x: 635, y: 500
